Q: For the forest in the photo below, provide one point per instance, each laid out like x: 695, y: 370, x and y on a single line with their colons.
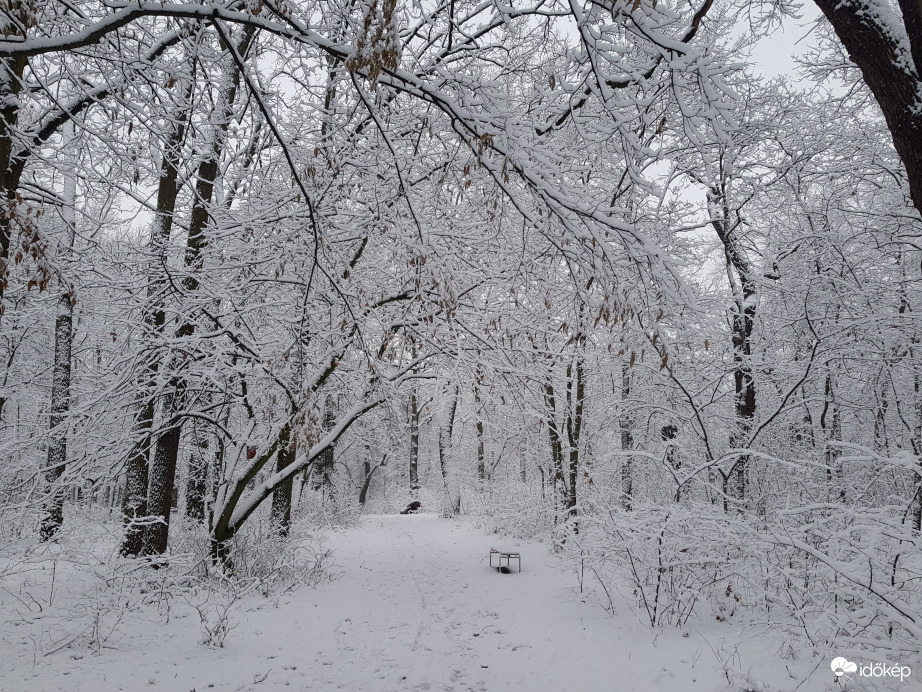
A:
x: 572, y: 270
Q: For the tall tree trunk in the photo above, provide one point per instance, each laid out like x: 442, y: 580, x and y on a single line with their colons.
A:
x: 414, y: 445
x: 166, y: 453
x: 323, y: 468
x: 481, y: 461
x: 575, y: 403
x: 369, y: 474
x: 18, y: 15
x: 163, y: 474
x: 134, y: 504
x: 197, y: 481
x: 745, y: 303
x: 556, y: 443
x: 627, y: 441
x: 917, y: 448
x: 831, y: 423
x: 445, y: 434
x: 53, y: 510
x: 281, y: 496
x: 874, y: 44
x: 881, y: 441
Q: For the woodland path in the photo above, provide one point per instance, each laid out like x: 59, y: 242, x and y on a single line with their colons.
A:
x: 410, y: 596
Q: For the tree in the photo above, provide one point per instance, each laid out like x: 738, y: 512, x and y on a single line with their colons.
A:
x: 888, y: 50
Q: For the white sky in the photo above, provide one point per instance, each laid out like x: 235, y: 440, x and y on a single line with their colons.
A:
x: 775, y: 55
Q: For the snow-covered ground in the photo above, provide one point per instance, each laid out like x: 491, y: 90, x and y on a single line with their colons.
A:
x: 415, y: 606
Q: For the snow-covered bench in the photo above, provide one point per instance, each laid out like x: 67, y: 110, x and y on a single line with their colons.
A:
x: 507, y: 554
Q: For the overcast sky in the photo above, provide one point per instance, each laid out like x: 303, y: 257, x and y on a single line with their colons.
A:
x: 775, y: 55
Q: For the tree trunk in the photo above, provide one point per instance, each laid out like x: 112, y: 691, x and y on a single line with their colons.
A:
x: 323, y: 469
x: 445, y: 434
x: 281, y: 496
x: 627, y: 441
x: 575, y: 403
x: 555, y: 442
x: 745, y: 302
x: 873, y: 43
x: 167, y: 450
x: 135, y: 507
x: 53, y: 510
x: 163, y: 473
x: 481, y: 461
x: 197, y: 481
x: 369, y: 473
x: 134, y: 502
x: 831, y: 423
x: 414, y: 445
x: 11, y: 72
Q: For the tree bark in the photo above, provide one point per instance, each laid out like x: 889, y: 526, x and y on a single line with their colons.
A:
x: 135, y: 507
x: 481, y: 460
x: 414, y: 445
x: 575, y: 402
x: 745, y: 303
x: 369, y: 473
x: 556, y: 442
x: 831, y: 423
x: 323, y: 469
x: 873, y: 47
x: 11, y: 72
x: 281, y: 496
x: 445, y: 435
x: 163, y: 468
x: 53, y: 515
x: 197, y: 481
x: 627, y: 441
x: 163, y: 475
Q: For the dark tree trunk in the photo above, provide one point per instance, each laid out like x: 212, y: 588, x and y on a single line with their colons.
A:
x: 745, y: 303
x: 323, y: 468
x: 369, y: 473
x: 481, y: 461
x: 11, y: 72
x: 197, y: 481
x: 53, y: 516
x: 874, y: 47
x: 414, y: 445
x: 163, y: 474
x: 281, y: 496
x: 135, y: 507
x: 881, y: 441
x: 556, y: 443
x: 445, y: 434
x: 167, y: 449
x: 134, y: 502
x: 575, y: 403
x: 831, y: 423
x: 627, y: 441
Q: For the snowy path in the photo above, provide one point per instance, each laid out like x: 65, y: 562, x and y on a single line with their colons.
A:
x: 416, y: 607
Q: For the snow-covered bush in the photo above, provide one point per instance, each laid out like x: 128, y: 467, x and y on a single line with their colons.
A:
x: 831, y: 574
x: 673, y: 561
x: 511, y: 508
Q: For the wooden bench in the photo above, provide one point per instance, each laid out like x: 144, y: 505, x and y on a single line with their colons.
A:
x: 507, y: 555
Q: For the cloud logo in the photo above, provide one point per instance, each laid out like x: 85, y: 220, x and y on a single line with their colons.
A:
x: 840, y: 666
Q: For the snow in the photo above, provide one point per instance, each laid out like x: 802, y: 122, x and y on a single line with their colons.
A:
x: 414, y: 606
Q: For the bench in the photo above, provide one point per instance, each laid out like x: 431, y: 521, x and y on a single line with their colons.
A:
x: 507, y: 555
